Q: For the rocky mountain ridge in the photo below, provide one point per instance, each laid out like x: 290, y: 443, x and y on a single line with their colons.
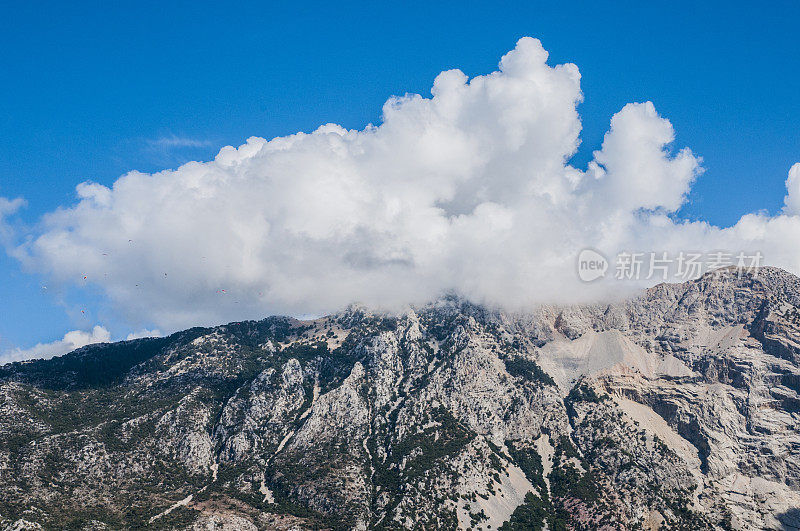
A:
x: 677, y: 409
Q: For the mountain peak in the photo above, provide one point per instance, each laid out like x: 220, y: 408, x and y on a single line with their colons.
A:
x: 650, y: 411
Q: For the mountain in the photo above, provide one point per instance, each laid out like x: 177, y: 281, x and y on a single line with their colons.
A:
x: 677, y: 409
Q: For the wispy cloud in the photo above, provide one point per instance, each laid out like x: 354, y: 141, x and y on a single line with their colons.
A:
x: 7, y: 208
x: 172, y: 150
x: 171, y: 142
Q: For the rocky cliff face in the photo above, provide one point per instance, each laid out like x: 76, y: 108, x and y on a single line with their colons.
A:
x: 678, y: 409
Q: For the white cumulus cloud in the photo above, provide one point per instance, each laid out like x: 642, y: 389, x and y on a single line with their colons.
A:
x: 71, y: 341
x: 469, y: 190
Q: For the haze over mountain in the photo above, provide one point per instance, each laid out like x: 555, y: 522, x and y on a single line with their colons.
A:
x: 676, y: 409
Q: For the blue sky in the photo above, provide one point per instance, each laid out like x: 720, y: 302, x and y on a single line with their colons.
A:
x: 94, y: 90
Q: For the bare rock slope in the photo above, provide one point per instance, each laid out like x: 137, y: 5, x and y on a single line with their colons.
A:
x: 678, y: 409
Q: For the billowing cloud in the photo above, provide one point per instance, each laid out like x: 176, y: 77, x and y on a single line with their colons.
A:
x: 469, y: 190
x: 71, y: 341
x: 634, y: 168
